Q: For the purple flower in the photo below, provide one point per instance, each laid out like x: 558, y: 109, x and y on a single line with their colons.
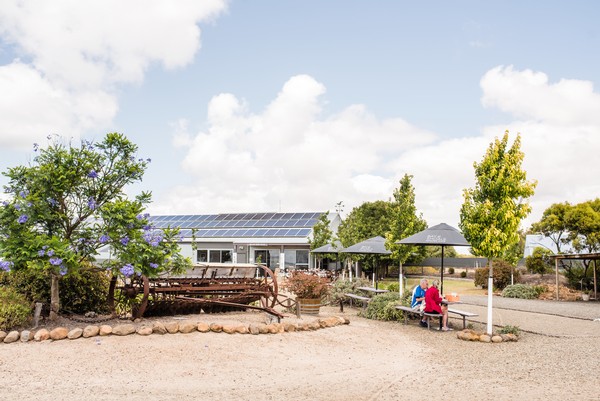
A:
x: 5, y: 203
x: 104, y: 239
x: 124, y: 240
x: 52, y: 202
x: 41, y: 252
x: 35, y: 147
x: 127, y: 270
x: 62, y: 271
x: 23, y: 194
x: 6, y: 265
x: 23, y: 218
x: 93, y: 174
x: 55, y: 261
x: 154, y: 265
x: 50, y: 252
x: 148, y: 160
x: 17, y: 206
x: 92, y: 204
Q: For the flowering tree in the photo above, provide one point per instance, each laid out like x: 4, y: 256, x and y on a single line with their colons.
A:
x: 69, y: 202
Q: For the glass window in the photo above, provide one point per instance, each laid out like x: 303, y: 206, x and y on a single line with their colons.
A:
x: 215, y: 256
x: 226, y: 256
x: 202, y: 255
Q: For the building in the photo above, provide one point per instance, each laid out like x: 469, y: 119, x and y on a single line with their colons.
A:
x: 275, y: 239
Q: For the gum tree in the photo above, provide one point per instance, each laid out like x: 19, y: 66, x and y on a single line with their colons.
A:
x: 492, y: 211
x: 70, y: 202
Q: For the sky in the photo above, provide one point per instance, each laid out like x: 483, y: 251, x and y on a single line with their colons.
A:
x: 268, y: 106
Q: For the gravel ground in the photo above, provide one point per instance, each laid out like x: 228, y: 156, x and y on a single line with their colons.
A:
x: 365, y: 360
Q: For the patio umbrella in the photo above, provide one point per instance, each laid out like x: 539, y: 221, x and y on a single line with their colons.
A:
x: 443, y: 235
x: 328, y: 249
x: 371, y: 246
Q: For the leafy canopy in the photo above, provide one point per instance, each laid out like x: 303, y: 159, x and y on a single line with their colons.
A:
x: 493, y: 209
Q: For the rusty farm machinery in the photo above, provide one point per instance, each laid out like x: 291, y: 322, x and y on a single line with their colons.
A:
x: 207, y: 288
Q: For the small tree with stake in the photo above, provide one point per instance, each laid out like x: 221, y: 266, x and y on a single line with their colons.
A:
x: 492, y: 211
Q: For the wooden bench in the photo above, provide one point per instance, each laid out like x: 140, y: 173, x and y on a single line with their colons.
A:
x: 463, y: 314
x: 408, y: 310
x: 365, y: 300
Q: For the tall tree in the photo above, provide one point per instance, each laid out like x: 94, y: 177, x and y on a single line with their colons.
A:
x: 405, y: 221
x: 70, y: 201
x: 493, y: 209
x: 368, y: 220
x: 322, y: 233
x: 553, y: 224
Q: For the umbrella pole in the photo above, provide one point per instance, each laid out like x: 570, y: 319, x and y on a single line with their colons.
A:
x: 400, y: 280
x: 442, y: 276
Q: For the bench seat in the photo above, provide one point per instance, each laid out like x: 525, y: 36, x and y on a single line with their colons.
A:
x: 462, y: 314
x: 365, y: 300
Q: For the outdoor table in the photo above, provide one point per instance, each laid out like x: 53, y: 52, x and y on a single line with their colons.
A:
x: 371, y: 289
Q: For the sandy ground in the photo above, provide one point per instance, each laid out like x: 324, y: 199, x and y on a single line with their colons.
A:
x: 365, y: 360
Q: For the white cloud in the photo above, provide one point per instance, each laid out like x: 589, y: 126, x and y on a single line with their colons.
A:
x: 74, y: 55
x: 291, y: 157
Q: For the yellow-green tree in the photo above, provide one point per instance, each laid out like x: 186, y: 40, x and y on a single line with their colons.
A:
x: 492, y: 211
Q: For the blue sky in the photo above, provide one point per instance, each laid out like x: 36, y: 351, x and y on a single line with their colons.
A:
x: 296, y: 105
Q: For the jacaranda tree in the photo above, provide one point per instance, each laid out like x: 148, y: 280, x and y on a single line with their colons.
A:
x: 70, y: 202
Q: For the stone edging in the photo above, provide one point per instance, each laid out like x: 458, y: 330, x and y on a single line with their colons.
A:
x: 471, y: 335
x: 157, y: 327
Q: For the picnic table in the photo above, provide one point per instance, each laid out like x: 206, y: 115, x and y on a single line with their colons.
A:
x: 363, y: 299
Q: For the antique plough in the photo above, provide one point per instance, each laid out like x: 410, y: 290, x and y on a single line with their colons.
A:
x: 208, y: 288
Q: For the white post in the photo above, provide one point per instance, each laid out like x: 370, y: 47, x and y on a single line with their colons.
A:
x: 401, y: 281
x: 489, y: 306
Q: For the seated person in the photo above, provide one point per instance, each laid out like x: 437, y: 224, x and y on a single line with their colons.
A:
x: 418, y: 297
x: 433, y: 304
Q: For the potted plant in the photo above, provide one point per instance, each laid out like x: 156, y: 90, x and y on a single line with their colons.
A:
x: 585, y: 295
x: 309, y: 290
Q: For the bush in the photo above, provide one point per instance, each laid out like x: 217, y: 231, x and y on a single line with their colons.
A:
x: 80, y: 292
x: 451, y: 270
x: 539, y: 262
x: 383, y: 307
x: 15, y: 309
x: 463, y: 274
x: 508, y: 329
x: 391, y: 286
x: 501, y: 277
x: 341, y: 287
x: 523, y: 291
x: 306, y: 285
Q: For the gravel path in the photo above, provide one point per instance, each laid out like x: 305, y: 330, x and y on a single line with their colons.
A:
x: 365, y: 360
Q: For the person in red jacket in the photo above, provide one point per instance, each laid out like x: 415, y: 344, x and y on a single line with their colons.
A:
x: 433, y: 304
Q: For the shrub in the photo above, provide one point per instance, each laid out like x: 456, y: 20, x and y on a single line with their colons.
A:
x: 523, y: 291
x: 463, y: 274
x: 451, y: 270
x: 539, y: 262
x: 392, y: 287
x: 501, y: 277
x: 306, y: 285
x: 341, y: 287
x: 80, y: 292
x: 383, y: 307
x: 15, y: 309
x: 508, y: 329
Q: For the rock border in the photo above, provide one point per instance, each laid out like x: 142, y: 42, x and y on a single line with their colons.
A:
x: 172, y: 327
x: 472, y: 335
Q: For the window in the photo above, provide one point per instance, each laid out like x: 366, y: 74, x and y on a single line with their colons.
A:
x: 214, y: 255
x: 296, y: 259
x: 302, y: 259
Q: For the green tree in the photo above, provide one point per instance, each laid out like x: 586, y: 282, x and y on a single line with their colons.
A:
x: 69, y: 202
x: 538, y: 262
x: 435, y: 251
x: 322, y: 234
x: 404, y: 221
x: 493, y: 209
x: 553, y: 224
x: 366, y: 221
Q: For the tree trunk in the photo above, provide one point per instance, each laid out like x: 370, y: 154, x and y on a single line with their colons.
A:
x: 54, y: 297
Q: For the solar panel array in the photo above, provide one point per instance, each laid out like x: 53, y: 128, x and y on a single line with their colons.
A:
x: 251, y: 225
